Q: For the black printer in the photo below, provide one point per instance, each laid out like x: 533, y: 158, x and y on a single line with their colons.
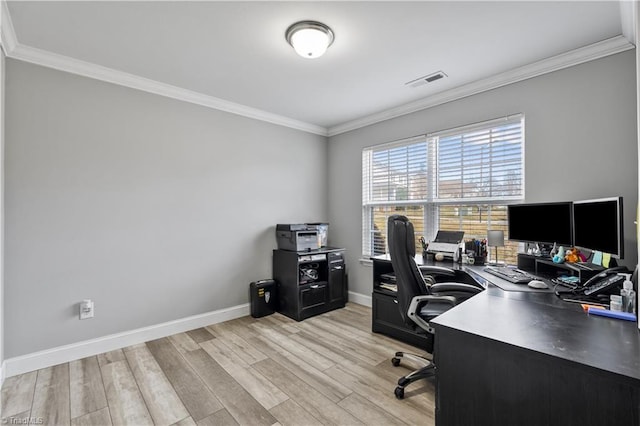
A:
x: 297, y: 237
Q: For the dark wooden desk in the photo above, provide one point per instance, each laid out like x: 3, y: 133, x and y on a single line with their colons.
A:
x: 509, y: 358
x: 386, y: 317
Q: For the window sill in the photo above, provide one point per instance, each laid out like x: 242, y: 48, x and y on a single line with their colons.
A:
x: 366, y: 262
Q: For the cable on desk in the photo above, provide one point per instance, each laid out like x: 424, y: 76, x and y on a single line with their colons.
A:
x: 576, y: 292
x: 572, y: 288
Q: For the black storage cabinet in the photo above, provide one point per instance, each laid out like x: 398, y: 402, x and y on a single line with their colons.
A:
x: 310, y: 282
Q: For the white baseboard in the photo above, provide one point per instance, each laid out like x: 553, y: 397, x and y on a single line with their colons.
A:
x: 61, y: 354
x: 360, y: 299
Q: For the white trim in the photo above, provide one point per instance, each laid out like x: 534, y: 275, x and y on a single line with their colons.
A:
x: 48, y: 357
x: 64, y: 63
x: 98, y: 72
x: 13, y: 49
x: 3, y: 368
x: 360, y: 299
x: 628, y: 12
x: 564, y: 60
x: 7, y: 32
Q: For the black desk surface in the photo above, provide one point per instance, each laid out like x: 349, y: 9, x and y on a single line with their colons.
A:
x: 540, y: 322
x: 476, y: 270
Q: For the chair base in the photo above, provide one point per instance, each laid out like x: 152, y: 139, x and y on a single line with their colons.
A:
x: 428, y: 370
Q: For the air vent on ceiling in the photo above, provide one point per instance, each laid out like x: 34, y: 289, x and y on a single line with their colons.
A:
x: 421, y: 81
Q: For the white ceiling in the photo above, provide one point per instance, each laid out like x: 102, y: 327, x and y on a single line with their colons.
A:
x: 235, y: 52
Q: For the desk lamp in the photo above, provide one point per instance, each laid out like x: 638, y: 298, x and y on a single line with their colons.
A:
x: 495, y: 239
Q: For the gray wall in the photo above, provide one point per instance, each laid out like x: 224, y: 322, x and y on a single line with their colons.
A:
x: 581, y: 143
x: 154, y: 208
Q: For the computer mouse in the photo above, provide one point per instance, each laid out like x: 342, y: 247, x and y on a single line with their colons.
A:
x: 537, y: 284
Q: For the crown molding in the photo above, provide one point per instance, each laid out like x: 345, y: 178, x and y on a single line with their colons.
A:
x: 7, y: 32
x: 628, y: 15
x: 13, y: 49
x: 98, y: 72
x: 564, y: 60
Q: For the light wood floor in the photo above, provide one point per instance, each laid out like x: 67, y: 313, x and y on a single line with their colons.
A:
x: 329, y: 369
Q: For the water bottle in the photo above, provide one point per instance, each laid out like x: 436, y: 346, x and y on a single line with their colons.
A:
x: 628, y: 296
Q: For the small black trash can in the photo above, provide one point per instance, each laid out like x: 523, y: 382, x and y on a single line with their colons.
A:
x: 264, y: 298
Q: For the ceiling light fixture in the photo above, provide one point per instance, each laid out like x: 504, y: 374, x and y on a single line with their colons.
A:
x: 310, y: 39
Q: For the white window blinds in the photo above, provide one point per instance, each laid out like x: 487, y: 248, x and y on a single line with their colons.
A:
x: 395, y: 181
x: 459, y: 179
x: 396, y: 172
x: 481, y: 162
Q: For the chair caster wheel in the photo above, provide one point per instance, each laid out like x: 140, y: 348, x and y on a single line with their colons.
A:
x: 395, y: 361
x: 399, y: 392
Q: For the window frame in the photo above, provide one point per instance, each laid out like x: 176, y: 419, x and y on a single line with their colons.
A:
x: 431, y: 202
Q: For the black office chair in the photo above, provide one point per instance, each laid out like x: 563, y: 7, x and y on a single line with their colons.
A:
x: 423, y: 293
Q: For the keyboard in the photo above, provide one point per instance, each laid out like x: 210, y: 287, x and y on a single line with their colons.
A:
x: 510, y: 274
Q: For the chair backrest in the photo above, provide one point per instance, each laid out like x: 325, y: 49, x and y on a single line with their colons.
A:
x: 402, y: 249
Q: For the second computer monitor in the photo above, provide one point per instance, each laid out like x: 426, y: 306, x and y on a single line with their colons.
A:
x: 598, y: 225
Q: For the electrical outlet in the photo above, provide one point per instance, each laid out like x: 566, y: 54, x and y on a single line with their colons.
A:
x: 86, y: 309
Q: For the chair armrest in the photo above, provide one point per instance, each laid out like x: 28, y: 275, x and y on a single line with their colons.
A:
x: 437, y: 270
x: 444, y: 287
x: 416, y: 305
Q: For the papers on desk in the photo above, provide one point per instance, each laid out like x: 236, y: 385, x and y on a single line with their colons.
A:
x: 388, y: 282
x: 600, y: 258
x: 390, y: 287
x: 569, y: 279
x: 597, y: 258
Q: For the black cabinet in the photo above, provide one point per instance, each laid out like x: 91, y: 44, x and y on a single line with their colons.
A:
x: 386, y: 318
x: 310, y: 282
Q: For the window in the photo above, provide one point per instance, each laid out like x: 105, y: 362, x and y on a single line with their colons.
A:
x: 459, y: 179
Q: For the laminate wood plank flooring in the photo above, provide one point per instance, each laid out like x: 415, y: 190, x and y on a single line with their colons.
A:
x: 329, y: 387
x: 126, y: 404
x: 100, y: 417
x: 51, y: 396
x: 161, y: 399
x: 86, y: 390
x: 326, y: 370
x: 17, y: 394
x: 260, y: 388
x: 200, y: 335
x: 197, y: 398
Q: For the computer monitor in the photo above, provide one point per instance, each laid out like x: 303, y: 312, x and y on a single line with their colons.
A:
x: 597, y: 225
x: 546, y: 223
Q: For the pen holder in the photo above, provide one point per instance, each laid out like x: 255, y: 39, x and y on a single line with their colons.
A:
x: 425, y: 254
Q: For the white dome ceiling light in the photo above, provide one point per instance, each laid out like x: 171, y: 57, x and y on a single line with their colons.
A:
x: 310, y: 39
